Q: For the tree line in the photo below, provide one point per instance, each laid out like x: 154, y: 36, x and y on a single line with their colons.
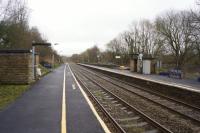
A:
x: 15, y: 31
x: 173, y: 37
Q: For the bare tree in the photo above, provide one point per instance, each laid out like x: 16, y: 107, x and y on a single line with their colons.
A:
x: 143, y: 38
x: 14, y: 25
x: 90, y: 55
x: 16, y: 11
x: 118, y: 47
x: 149, y: 39
x: 114, y: 46
x: 176, y: 31
x: 131, y: 39
x: 194, y: 19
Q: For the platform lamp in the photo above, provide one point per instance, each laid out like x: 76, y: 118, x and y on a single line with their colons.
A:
x: 60, y: 57
x: 33, y: 54
x: 53, y: 56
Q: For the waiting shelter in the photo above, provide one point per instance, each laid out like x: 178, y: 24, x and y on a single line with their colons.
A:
x: 142, y: 63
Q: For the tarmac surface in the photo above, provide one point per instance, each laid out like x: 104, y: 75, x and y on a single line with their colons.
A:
x: 39, y: 109
x: 80, y: 118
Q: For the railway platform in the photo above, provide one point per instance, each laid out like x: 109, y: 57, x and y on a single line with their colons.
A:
x: 180, y: 83
x: 54, y: 104
x: 80, y: 116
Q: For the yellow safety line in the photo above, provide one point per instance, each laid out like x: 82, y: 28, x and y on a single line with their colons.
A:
x: 63, y: 119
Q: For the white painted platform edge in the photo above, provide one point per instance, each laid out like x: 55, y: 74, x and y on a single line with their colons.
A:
x: 105, y: 128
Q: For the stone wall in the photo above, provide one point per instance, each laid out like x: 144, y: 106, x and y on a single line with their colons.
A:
x: 16, y: 67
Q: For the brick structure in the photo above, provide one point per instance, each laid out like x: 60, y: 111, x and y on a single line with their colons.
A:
x: 16, y: 67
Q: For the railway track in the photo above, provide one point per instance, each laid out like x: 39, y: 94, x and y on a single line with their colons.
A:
x: 188, y: 111
x: 125, y: 117
x: 184, y: 110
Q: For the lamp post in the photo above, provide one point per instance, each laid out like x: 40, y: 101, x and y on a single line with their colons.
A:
x: 59, y: 57
x: 53, y: 56
x: 118, y: 57
x: 140, y: 58
x: 33, y: 54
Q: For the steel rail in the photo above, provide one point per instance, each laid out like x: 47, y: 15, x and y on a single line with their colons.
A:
x: 144, y: 89
x: 111, y: 119
x: 147, y: 118
x: 173, y: 100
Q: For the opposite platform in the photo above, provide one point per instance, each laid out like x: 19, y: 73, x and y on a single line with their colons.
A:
x: 179, y: 83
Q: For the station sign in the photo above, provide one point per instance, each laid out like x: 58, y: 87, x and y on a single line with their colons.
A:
x: 117, y: 57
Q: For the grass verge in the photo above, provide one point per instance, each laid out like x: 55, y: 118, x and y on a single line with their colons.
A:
x: 56, y: 65
x: 9, y: 93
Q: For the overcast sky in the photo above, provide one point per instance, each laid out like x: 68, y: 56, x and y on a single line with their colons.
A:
x: 79, y: 24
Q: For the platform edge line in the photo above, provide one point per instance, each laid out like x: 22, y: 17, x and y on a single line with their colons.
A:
x: 102, y: 123
x: 63, y: 118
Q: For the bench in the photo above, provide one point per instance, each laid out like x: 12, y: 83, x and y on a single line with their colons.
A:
x: 175, y: 73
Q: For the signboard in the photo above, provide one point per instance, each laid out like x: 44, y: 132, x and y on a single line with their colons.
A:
x: 117, y: 57
x: 41, y: 44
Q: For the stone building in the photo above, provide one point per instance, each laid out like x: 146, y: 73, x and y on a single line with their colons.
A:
x: 137, y: 65
x: 16, y: 67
